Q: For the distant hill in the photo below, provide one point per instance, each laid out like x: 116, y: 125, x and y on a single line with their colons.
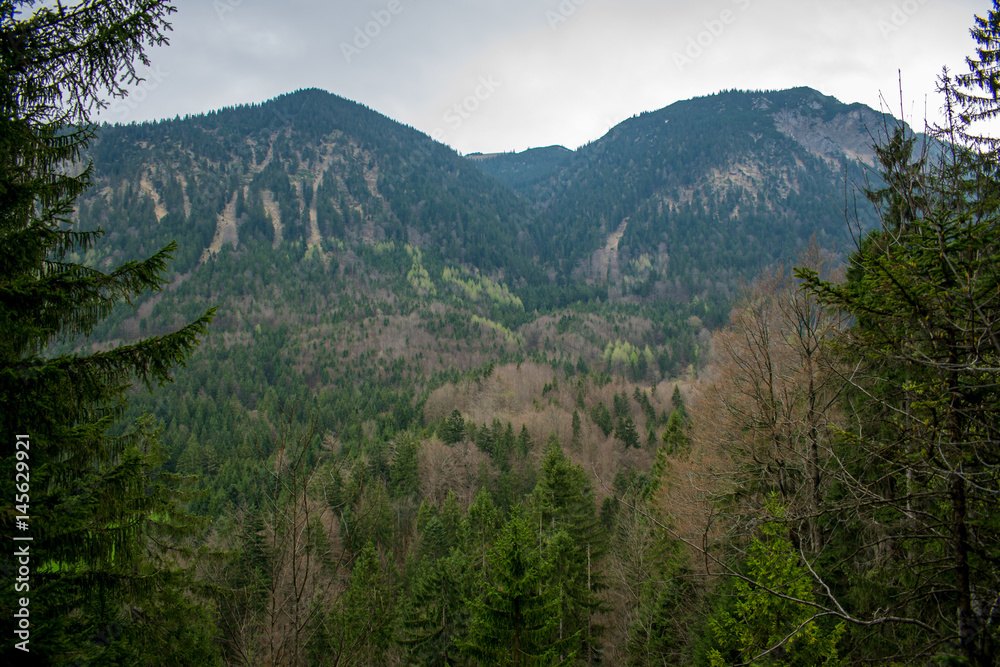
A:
x: 306, y: 168
x: 669, y: 204
x: 361, y: 268
x: 684, y: 200
x: 526, y: 170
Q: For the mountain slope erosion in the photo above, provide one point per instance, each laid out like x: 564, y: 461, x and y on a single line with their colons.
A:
x: 309, y: 169
x: 702, y: 192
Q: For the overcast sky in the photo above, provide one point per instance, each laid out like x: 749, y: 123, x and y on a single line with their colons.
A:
x: 501, y: 75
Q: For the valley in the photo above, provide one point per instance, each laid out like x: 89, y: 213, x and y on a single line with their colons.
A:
x: 427, y: 326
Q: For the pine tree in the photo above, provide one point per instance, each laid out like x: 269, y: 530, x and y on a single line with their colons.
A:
x: 677, y: 401
x: 621, y: 405
x: 577, y: 427
x: 507, y: 442
x: 404, y: 477
x: 924, y: 388
x: 358, y: 629
x: 454, y: 428
x: 564, y: 512
x: 602, y: 417
x: 625, y: 431
x: 479, y: 528
x: 662, y: 591
x: 977, y: 91
x: 524, y: 443
x: 675, y: 438
x: 435, y: 616
x: 770, y: 607
x: 514, y: 622
x: 90, y: 492
x: 451, y: 519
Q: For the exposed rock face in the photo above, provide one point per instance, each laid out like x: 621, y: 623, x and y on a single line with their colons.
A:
x: 850, y: 134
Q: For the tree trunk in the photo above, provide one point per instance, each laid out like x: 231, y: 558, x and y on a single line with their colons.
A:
x: 963, y: 588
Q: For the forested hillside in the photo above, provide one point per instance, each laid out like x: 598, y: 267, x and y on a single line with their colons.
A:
x: 559, y: 407
x: 692, y: 198
x: 419, y: 334
x: 358, y: 266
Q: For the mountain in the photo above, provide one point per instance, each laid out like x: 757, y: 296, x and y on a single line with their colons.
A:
x: 372, y: 280
x: 721, y: 186
x: 526, y: 170
x: 686, y: 200
x: 303, y: 169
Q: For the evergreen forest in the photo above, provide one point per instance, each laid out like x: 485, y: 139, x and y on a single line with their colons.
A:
x: 293, y: 384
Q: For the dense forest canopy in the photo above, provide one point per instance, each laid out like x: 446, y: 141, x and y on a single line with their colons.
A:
x: 304, y: 387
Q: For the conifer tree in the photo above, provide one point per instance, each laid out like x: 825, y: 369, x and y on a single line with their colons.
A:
x: 404, y: 478
x: 451, y: 519
x: 918, y: 470
x: 602, y: 417
x: 524, y: 443
x: 675, y: 438
x: 677, y: 401
x: 662, y: 591
x: 358, y: 629
x: 625, y: 431
x: 514, y: 622
x: 454, y: 428
x: 478, y: 529
x: 978, y: 90
x: 89, y: 508
x: 577, y: 427
x: 564, y: 512
x: 435, y: 616
x: 770, y: 607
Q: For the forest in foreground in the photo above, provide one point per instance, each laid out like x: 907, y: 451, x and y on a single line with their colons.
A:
x: 380, y: 404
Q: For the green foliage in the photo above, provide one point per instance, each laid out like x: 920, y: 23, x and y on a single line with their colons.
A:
x: 564, y: 499
x: 478, y: 529
x: 454, y: 428
x: 404, y: 478
x: 573, y: 544
x: 515, y: 622
x: 675, y: 438
x: 358, y: 629
x: 94, y: 508
x: 436, y: 615
x: 475, y: 286
x: 677, y: 401
x: 425, y: 272
x: 369, y: 518
x: 764, y: 617
x: 600, y: 415
x: 172, y: 628
x: 625, y: 431
x: 922, y: 291
x: 524, y: 443
x: 658, y: 633
x: 577, y: 427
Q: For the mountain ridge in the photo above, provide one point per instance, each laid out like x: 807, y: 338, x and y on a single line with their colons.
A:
x: 772, y: 159
x: 360, y: 268
x: 314, y: 167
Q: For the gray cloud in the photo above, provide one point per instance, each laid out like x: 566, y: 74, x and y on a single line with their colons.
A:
x: 491, y: 76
